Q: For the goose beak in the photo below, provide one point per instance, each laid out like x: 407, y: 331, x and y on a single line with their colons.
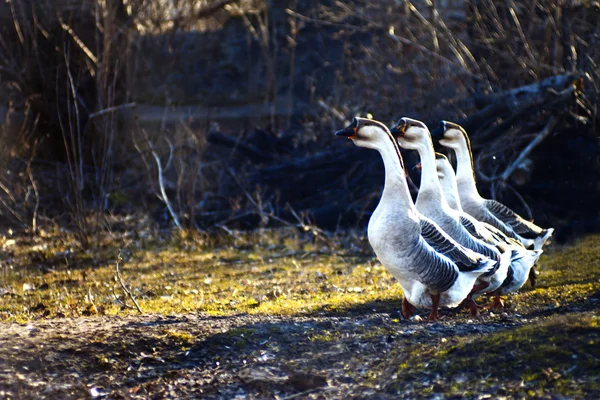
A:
x: 349, y: 131
x: 398, y: 130
x: 438, y: 133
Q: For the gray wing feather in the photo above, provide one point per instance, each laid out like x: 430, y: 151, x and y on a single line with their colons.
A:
x: 464, y: 259
x: 433, y: 270
x: 487, y: 217
x: 479, y: 241
x: 520, y: 225
x: 467, y: 223
x: 501, y: 236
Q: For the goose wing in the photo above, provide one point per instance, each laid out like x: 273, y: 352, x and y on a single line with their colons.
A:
x: 497, y: 233
x: 474, y: 230
x: 483, y: 214
x: 465, y: 259
x: 520, y: 225
x: 487, y: 232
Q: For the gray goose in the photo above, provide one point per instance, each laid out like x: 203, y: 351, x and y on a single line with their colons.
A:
x: 454, y: 137
x: 432, y: 269
x: 522, y: 260
x: 414, y: 135
x: 492, y: 212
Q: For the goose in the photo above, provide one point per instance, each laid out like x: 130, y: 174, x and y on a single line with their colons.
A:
x: 522, y: 259
x: 432, y: 269
x: 414, y: 135
x: 492, y: 212
x: 482, y: 230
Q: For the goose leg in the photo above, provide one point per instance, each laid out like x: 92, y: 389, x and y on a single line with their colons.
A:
x: 435, y: 303
x: 473, y: 307
x: 479, y: 286
x: 497, y: 302
x: 407, y: 309
x: 532, y: 277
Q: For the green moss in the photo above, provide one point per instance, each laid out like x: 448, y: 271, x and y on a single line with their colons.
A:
x: 180, y: 337
x: 324, y: 336
x: 269, y: 272
x: 542, y: 358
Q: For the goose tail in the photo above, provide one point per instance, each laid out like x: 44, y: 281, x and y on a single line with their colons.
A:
x: 485, y: 265
x: 541, y: 240
x: 534, y: 255
x: 524, y: 256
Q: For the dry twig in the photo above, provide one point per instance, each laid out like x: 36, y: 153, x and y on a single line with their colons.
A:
x: 119, y: 278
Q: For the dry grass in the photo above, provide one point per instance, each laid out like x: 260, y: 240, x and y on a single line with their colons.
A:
x: 266, y: 272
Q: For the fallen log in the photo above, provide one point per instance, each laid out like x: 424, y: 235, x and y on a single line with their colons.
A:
x: 340, y: 185
x: 521, y: 102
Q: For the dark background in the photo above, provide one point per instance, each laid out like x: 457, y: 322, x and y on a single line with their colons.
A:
x: 221, y: 114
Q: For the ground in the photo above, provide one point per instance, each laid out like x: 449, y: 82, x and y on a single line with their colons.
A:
x: 278, y: 314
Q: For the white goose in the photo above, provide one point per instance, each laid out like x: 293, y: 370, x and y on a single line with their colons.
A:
x: 489, y: 211
x: 432, y: 269
x: 522, y: 260
x: 414, y: 135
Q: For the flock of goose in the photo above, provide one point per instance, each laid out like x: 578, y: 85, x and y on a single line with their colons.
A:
x: 451, y: 245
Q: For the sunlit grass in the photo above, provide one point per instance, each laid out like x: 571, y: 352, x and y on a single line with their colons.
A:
x: 277, y: 272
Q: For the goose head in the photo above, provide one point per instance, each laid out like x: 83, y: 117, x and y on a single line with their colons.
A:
x: 450, y: 135
x: 366, y: 133
x: 411, y: 134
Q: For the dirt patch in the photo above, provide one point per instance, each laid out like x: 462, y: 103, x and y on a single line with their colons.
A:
x: 274, y: 315
x: 367, y: 352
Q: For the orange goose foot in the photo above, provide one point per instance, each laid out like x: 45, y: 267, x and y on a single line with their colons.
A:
x: 473, y: 307
x: 435, y: 303
x: 407, y: 309
x: 497, y: 303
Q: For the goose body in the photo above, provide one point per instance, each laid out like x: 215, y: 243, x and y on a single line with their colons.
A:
x: 485, y: 210
x: 432, y: 269
x: 521, y: 260
x: 431, y: 202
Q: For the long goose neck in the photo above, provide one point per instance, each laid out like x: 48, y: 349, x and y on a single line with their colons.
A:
x: 430, y: 183
x: 451, y: 193
x: 396, y: 187
x: 465, y: 172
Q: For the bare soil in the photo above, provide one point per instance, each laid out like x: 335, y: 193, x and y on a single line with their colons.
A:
x: 273, y: 316
x: 368, y: 352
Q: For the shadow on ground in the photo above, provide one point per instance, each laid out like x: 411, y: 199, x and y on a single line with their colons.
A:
x: 360, y: 352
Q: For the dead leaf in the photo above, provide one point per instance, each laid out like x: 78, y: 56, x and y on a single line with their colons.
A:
x: 134, y: 389
x: 551, y: 375
x: 90, y: 310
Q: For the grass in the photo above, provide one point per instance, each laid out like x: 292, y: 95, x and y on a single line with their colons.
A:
x: 247, y: 297
x: 559, y: 355
x: 266, y: 272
